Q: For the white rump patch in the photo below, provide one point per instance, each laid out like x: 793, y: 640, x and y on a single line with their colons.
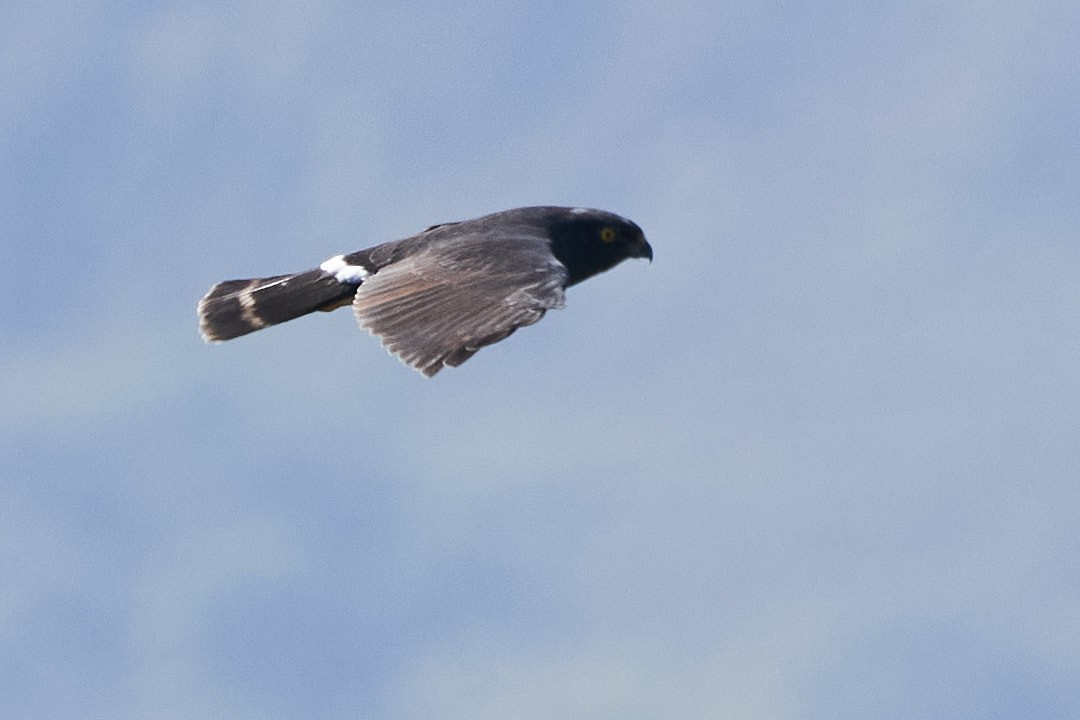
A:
x: 343, y: 272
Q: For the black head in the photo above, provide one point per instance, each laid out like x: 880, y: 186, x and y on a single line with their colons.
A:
x: 589, y: 242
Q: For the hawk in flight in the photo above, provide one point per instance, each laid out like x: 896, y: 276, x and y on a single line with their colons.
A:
x: 437, y: 297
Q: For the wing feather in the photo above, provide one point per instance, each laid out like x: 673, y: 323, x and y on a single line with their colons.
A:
x: 433, y: 311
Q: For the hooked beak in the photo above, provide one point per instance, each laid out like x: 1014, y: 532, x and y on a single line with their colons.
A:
x: 641, y: 249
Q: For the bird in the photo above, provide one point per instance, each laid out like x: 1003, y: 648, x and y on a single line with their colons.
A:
x: 437, y: 297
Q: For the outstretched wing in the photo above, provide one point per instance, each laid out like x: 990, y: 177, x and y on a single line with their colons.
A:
x: 436, y: 308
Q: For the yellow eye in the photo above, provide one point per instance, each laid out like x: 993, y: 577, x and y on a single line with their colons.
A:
x: 607, y: 234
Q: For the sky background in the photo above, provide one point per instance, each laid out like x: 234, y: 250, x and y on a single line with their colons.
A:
x: 819, y: 460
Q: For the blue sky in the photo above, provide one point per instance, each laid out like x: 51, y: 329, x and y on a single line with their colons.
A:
x: 819, y: 460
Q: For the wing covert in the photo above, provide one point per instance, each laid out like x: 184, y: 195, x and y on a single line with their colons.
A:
x: 434, y: 309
